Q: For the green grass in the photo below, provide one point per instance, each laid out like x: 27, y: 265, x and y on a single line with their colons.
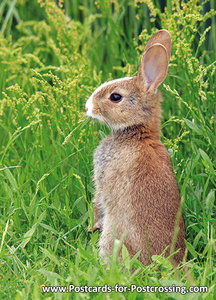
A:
x: 49, y: 65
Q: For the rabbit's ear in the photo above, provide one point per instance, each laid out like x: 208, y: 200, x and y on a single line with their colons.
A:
x: 162, y: 37
x: 153, y: 67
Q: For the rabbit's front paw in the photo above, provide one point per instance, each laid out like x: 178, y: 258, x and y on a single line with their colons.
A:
x: 95, y: 227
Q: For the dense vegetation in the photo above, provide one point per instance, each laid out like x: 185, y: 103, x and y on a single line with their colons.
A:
x: 52, y: 56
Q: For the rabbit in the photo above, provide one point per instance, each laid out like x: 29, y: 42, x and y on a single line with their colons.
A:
x: 136, y: 190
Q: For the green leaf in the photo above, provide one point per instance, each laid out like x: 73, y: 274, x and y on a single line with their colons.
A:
x: 50, y: 255
x: 11, y: 179
x: 191, y: 249
x: 51, y: 229
x: 194, y: 127
x: 126, y: 256
x: 207, y: 161
x: 28, y: 235
x: 210, y: 199
x: 51, y: 276
x: 85, y: 254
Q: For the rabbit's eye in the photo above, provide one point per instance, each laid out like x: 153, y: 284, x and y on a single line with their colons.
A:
x: 115, y: 97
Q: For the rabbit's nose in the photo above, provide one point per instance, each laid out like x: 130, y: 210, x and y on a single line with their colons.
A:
x: 86, y: 108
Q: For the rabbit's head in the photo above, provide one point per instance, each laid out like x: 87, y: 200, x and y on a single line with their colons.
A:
x: 133, y: 101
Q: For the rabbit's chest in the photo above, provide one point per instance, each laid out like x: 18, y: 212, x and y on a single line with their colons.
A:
x: 109, y: 162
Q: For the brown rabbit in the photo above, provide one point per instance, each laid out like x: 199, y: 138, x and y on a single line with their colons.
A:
x: 136, y: 191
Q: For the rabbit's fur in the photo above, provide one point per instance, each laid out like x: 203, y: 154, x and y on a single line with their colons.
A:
x: 136, y: 191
